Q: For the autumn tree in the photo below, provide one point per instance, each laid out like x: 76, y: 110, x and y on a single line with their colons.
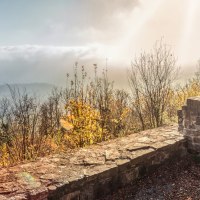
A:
x: 84, y: 121
x: 151, y: 77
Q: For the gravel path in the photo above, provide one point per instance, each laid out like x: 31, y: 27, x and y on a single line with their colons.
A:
x: 174, y: 181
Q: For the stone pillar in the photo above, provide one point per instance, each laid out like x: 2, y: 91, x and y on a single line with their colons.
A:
x: 189, y: 124
x: 180, y: 120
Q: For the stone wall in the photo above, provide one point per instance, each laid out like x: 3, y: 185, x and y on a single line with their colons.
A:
x: 92, y: 172
x: 189, y: 124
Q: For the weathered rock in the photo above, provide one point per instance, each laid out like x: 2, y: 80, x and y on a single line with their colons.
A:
x: 94, y: 171
x: 189, y: 124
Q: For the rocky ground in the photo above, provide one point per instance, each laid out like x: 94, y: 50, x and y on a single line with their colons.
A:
x: 174, y: 181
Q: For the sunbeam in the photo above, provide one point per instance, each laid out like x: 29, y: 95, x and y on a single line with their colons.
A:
x: 138, y: 18
x: 188, y: 30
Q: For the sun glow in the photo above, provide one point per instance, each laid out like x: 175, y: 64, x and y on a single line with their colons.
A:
x: 139, y: 18
x: 174, y: 21
x: 133, y: 26
x: 185, y: 41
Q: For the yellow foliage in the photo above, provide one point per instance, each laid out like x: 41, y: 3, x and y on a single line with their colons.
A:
x: 4, y: 155
x: 85, y: 122
x: 189, y: 90
x: 85, y: 125
x: 65, y: 124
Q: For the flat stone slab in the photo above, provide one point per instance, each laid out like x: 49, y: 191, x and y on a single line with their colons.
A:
x: 65, y: 175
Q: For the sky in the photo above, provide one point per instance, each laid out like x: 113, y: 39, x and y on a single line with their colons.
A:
x: 41, y: 40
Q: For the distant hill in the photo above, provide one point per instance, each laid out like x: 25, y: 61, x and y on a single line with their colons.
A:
x: 40, y: 90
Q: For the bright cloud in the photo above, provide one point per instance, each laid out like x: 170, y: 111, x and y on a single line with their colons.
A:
x: 41, y: 40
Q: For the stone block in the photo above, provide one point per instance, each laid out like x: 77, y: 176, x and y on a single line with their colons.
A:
x: 95, y: 171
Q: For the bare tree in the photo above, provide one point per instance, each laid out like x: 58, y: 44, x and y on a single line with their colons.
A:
x: 151, y: 77
x: 22, y: 121
x: 51, y: 113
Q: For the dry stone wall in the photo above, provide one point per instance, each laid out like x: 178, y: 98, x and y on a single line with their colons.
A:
x: 92, y: 172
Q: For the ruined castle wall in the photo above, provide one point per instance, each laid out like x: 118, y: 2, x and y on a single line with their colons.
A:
x: 189, y: 124
x: 92, y: 172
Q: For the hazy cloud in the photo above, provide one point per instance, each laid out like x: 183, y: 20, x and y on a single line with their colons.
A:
x: 29, y: 52
x: 34, y: 63
x: 41, y: 40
